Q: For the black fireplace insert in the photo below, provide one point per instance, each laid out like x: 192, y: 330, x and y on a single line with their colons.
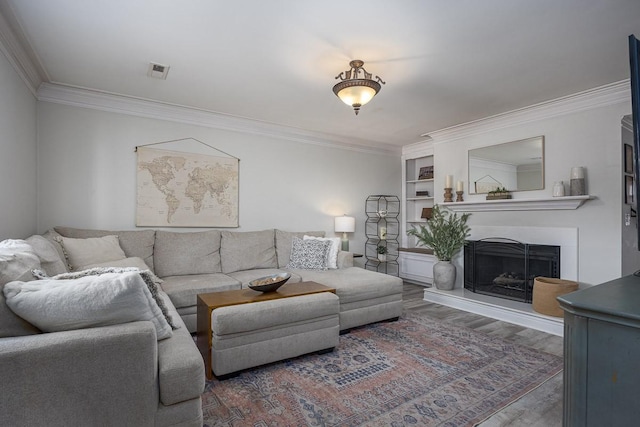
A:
x: 506, y: 268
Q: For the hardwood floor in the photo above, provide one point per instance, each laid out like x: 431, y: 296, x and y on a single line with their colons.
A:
x: 540, y: 408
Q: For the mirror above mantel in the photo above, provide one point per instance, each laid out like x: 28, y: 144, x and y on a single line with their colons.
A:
x: 515, y: 165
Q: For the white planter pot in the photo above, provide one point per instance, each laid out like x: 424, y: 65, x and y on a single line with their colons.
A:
x: 444, y: 275
x: 382, y: 257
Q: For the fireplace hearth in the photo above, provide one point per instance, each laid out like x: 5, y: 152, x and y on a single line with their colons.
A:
x: 506, y: 268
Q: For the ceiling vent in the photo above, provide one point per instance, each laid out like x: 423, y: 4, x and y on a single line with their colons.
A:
x: 158, y: 71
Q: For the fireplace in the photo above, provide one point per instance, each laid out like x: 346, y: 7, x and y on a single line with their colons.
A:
x: 506, y: 269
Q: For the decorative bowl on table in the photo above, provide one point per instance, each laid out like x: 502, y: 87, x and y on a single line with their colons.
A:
x: 269, y: 283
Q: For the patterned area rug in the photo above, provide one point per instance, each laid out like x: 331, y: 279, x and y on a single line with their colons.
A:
x: 413, y: 372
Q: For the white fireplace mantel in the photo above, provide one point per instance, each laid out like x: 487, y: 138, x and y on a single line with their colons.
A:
x: 551, y: 203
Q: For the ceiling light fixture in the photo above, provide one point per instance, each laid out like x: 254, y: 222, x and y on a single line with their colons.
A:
x: 355, y: 90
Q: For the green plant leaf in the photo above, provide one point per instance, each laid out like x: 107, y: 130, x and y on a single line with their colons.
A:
x: 445, y: 233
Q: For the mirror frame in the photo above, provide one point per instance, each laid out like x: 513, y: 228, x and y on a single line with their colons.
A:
x: 489, y: 185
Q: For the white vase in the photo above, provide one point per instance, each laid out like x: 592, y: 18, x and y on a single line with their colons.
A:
x: 444, y: 275
x: 382, y: 257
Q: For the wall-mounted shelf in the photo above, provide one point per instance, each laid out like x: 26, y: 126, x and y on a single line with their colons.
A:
x: 551, y: 203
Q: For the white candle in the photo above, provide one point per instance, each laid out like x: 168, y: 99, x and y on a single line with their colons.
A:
x: 460, y: 186
x: 448, y: 183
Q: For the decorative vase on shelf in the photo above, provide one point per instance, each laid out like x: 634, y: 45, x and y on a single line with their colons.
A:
x: 444, y: 275
x: 558, y: 189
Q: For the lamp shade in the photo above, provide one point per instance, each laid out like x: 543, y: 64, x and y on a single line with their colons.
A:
x: 357, y: 95
x: 345, y: 224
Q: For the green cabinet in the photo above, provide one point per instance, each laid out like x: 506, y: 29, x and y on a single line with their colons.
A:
x: 602, y: 354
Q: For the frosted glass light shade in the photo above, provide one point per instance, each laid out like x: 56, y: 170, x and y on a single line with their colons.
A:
x: 356, y: 95
x: 345, y: 224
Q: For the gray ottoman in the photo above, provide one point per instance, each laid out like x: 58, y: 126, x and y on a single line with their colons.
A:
x: 249, y: 335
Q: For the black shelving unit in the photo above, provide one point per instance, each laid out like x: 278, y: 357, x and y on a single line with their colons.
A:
x: 382, y: 228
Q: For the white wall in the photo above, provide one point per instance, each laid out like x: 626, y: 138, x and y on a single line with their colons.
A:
x: 18, y: 142
x: 88, y: 174
x: 588, y: 137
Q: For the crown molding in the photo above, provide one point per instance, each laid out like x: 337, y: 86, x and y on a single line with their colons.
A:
x: 418, y: 149
x: 14, y: 51
x: 610, y: 94
x: 85, y: 98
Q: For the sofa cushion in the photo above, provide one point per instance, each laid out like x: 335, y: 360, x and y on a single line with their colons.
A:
x: 134, y: 243
x: 50, y: 260
x: 247, y: 250
x: 183, y: 290
x: 122, y: 263
x: 284, y: 243
x: 354, y: 283
x: 177, y: 254
x: 180, y: 368
x: 245, y: 276
x: 81, y: 253
x: 86, y: 302
x: 309, y: 254
x: 17, y: 259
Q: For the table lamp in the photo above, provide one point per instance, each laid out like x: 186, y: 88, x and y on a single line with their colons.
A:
x: 345, y: 224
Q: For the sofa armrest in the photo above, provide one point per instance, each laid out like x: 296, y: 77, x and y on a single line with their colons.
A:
x: 345, y: 259
x: 96, y: 376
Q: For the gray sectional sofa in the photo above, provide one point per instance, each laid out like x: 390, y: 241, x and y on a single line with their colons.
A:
x: 191, y: 263
x: 121, y: 374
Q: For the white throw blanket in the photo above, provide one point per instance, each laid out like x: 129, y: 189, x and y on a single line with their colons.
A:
x: 88, y: 301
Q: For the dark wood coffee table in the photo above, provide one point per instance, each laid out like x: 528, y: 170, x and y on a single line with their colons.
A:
x: 210, y: 301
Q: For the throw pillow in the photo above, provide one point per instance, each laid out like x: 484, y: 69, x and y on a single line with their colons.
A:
x: 17, y: 259
x: 309, y: 254
x: 93, y: 250
x: 86, y: 302
x: 50, y: 259
x: 332, y: 256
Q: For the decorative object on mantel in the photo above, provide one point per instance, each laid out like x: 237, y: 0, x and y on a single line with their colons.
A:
x: 577, y: 186
x: 345, y: 224
x: 186, y: 189
x: 558, y: 189
x: 486, y: 183
x: 448, y: 189
x: 357, y: 87
x: 445, y: 233
x: 499, y: 193
x: 459, y: 191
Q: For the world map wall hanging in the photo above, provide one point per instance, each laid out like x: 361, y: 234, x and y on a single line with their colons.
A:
x: 179, y: 189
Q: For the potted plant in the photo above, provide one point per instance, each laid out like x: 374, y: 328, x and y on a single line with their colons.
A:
x: 445, y: 233
x: 382, y: 253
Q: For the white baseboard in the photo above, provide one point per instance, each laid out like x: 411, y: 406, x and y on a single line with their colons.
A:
x: 514, y: 312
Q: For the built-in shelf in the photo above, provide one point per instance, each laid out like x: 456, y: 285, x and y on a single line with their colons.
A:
x: 420, y: 198
x: 417, y: 250
x: 551, y: 203
x: 413, y: 181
